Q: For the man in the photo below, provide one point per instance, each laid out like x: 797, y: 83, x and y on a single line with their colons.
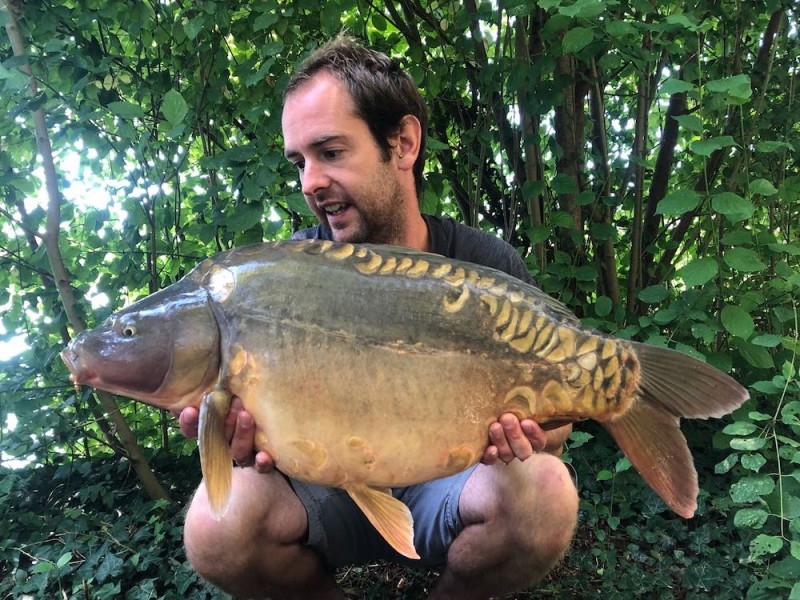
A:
x: 354, y: 125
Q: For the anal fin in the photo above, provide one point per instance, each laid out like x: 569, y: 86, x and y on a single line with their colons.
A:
x: 388, y: 515
x: 215, y: 452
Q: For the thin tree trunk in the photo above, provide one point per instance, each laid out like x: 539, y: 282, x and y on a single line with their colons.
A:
x: 149, y: 481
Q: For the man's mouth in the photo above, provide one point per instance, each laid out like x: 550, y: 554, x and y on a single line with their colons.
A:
x: 334, y: 209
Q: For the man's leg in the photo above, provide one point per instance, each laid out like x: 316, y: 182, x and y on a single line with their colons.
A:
x: 257, y: 549
x: 518, y: 523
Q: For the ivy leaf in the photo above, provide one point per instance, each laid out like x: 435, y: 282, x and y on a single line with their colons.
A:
x: 743, y: 259
x: 737, y: 322
x: 699, y: 272
x: 678, y: 202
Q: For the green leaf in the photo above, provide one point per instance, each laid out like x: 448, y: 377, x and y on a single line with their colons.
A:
x: 43, y: 566
x: 63, y: 559
x: 603, y: 306
x: 753, y: 462
x: 737, y: 88
x: 740, y: 428
x: 653, y: 294
x: 690, y: 122
x: 675, y: 86
x: 751, y: 488
x: 737, y: 322
x: 768, y: 340
x: 751, y: 518
x: 126, y: 110
x: 699, y: 272
x: 772, y: 146
x: 564, y: 184
x: 726, y: 465
x: 579, y: 438
x: 748, y: 444
x: 174, y: 107
x: 678, y: 202
x: 755, y: 355
x: 732, y: 206
x: 577, y: 39
x: 765, y: 544
x: 194, y: 26
x: 743, y: 259
x: 708, y: 146
x: 762, y: 187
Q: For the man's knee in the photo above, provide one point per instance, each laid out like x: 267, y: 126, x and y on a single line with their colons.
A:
x: 553, y: 493
x: 208, y: 540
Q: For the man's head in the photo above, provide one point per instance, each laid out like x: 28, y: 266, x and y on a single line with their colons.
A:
x: 383, y: 94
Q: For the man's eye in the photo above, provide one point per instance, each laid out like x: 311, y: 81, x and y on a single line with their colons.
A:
x: 332, y: 154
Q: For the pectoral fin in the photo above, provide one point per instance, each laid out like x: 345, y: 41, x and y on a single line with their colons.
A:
x: 388, y: 515
x: 215, y: 453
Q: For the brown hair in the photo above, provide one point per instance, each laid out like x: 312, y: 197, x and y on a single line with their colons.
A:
x: 382, y: 92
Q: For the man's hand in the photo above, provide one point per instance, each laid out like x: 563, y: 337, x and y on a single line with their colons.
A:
x: 510, y: 438
x: 240, y: 431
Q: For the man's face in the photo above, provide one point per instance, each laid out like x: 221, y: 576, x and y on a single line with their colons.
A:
x: 343, y: 177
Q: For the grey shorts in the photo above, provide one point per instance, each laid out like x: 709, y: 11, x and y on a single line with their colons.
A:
x: 340, y: 532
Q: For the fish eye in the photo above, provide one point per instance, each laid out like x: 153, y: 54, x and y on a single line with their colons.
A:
x: 128, y: 331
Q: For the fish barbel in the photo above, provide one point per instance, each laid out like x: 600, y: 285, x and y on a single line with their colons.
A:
x: 371, y: 367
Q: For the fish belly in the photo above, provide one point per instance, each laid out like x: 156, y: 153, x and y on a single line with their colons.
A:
x: 334, y: 411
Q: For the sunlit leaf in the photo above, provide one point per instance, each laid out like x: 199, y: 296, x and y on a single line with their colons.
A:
x: 577, y: 39
x: 708, y: 146
x: 743, y: 259
x: 699, y: 272
x: 737, y: 321
x: 732, y: 206
x: 678, y: 202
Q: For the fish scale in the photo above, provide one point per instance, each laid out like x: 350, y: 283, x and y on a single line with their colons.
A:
x: 367, y: 367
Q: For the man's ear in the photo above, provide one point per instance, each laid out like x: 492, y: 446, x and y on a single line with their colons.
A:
x: 407, y: 142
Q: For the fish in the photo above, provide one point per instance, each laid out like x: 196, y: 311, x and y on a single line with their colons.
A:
x: 368, y: 367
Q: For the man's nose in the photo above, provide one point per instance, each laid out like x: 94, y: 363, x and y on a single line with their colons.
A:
x: 314, y: 178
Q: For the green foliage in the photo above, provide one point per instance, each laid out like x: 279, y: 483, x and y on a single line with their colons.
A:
x: 84, y: 530
x: 642, y: 156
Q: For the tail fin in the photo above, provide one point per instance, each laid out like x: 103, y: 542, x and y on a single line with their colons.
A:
x: 672, y: 385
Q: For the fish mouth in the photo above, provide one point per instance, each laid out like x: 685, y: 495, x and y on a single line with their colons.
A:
x: 78, y: 373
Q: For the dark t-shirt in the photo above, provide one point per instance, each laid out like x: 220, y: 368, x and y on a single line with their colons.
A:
x: 455, y: 240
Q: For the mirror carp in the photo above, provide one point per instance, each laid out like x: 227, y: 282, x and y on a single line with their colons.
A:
x: 371, y: 367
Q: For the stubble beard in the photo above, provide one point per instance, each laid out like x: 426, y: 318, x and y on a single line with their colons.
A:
x: 379, y: 211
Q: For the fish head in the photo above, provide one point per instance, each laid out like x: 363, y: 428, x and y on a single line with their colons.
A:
x: 162, y: 350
